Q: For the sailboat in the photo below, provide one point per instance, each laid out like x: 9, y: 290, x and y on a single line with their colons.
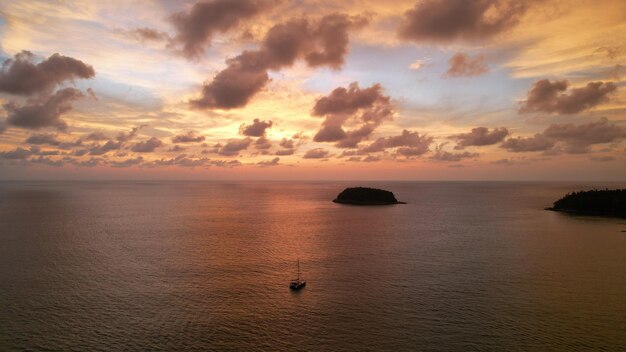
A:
x: 298, y: 283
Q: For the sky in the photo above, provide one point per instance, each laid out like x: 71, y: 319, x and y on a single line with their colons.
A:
x: 313, y: 90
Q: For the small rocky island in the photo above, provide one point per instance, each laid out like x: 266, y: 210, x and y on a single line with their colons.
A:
x: 596, y: 202
x: 366, y: 196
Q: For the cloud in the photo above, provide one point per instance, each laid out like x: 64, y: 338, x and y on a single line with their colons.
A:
x: 233, y: 146
x: 21, y: 76
x: 127, y: 136
x: 480, y: 136
x: 105, y: 148
x: 189, y: 137
x: 43, y: 138
x: 225, y: 163
x: 128, y: 162
x: 317, y: 153
x: 418, y: 144
x: 442, y: 155
x: 321, y: 43
x: 147, y: 146
x: 283, y: 152
x: 91, y: 162
x: 412, y: 151
x: 444, y: 21
x: 181, y: 160
x: 3, y: 126
x: 602, y: 158
x: 16, y: 154
x: 579, y: 138
x: 367, y: 108
x: 551, y: 97
x: 45, y: 114
x: 195, y: 29
x: 262, y: 143
x: 256, y: 129
x: 272, y: 162
x: 418, y: 64
x: 145, y: 34
x: 177, y: 149
x: 95, y: 136
x: 47, y: 161
x: 287, y: 143
x: 537, y: 143
x: 462, y: 65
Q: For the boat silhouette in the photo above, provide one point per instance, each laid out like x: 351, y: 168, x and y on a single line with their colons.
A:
x: 297, y: 283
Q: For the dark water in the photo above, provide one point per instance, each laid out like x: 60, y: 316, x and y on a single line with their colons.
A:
x: 205, y: 266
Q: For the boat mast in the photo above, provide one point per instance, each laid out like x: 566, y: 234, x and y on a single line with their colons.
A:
x: 298, y: 269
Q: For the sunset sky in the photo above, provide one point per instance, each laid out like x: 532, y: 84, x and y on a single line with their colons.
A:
x: 279, y: 89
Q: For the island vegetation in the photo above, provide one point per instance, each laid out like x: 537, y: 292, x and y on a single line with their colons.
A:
x: 366, y: 196
x: 595, y: 202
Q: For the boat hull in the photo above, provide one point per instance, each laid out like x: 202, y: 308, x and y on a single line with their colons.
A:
x: 297, y: 285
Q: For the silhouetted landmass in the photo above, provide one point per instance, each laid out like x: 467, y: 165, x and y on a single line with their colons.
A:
x: 601, y: 203
x: 366, y: 196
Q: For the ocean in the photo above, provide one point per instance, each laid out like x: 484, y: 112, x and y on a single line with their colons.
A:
x: 201, y: 266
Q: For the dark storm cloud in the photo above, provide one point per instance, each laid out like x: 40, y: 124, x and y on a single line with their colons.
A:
x: 195, y: 29
x: 551, y: 97
x: 256, y: 129
x: 233, y: 146
x: 317, y: 153
x: 21, y: 76
x: 480, y: 136
x: 443, y: 21
x: 189, y: 137
x: 105, y: 148
x: 462, y: 65
x: 537, y: 143
x: 322, y: 43
x: 147, y: 146
x: 367, y: 107
x: 37, y: 115
x: 272, y: 162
